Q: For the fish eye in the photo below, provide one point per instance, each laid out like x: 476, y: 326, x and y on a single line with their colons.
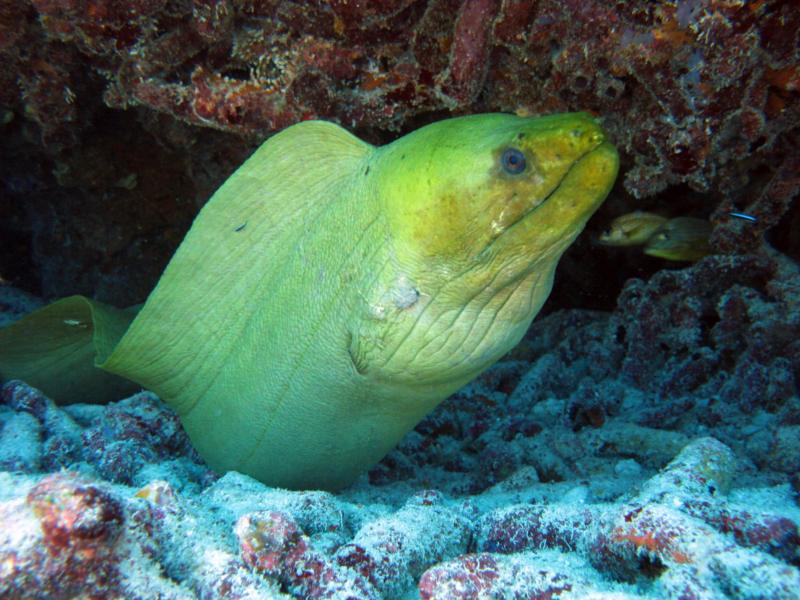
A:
x: 513, y: 161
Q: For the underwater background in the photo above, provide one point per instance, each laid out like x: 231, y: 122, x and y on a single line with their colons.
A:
x: 642, y: 441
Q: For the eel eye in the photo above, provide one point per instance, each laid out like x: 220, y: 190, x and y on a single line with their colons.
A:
x: 513, y: 161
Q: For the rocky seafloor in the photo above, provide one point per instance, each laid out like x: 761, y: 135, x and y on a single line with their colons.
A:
x: 649, y: 452
x: 119, y: 119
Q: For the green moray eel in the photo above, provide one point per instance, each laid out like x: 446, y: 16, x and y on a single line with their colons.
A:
x: 331, y: 293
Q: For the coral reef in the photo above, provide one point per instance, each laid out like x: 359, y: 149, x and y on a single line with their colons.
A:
x: 648, y: 537
x: 393, y: 551
x: 668, y: 67
x: 647, y: 453
x: 274, y: 545
x: 116, y: 443
x: 689, y: 529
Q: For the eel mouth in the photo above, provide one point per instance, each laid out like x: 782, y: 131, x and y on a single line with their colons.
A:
x: 574, y: 167
x: 583, y: 205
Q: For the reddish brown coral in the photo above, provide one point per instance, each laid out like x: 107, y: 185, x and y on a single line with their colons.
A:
x: 473, y: 576
x: 80, y: 522
x: 476, y: 576
x: 273, y: 544
x: 663, y: 73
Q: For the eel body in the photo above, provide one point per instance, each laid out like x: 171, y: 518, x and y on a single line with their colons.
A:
x: 331, y: 293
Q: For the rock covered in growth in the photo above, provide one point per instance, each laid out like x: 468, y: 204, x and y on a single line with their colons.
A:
x: 393, y: 551
x: 687, y: 529
x: 675, y: 541
x: 131, y: 434
x: 663, y: 72
x: 20, y: 444
x: 80, y: 523
x: 70, y: 536
x: 62, y: 539
x: 273, y: 544
x: 518, y: 528
x: 117, y: 442
x: 527, y: 575
x: 705, y: 467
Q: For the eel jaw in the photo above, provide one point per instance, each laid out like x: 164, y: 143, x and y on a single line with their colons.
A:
x: 550, y: 225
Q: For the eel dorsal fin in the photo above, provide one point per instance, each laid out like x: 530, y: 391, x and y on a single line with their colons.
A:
x: 240, y: 317
x: 55, y: 349
x: 219, y: 276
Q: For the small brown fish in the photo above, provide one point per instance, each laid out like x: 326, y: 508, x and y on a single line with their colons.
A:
x: 682, y: 238
x: 633, y: 229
